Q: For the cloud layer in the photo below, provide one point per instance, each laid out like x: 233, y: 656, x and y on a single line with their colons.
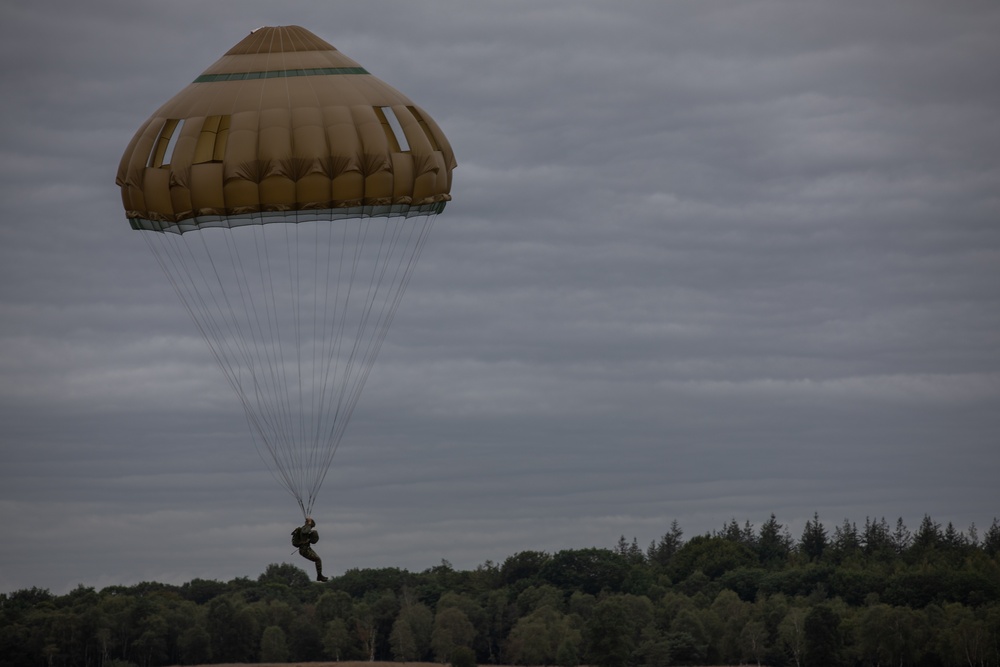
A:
x: 703, y: 262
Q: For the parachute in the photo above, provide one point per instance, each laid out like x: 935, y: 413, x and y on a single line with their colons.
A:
x: 287, y: 193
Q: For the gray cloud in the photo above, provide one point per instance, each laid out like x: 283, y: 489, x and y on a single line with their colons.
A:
x: 703, y: 262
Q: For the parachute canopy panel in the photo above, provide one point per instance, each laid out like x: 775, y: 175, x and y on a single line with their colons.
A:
x: 283, y: 122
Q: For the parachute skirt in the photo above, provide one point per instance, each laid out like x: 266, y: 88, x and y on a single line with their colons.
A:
x: 319, y: 215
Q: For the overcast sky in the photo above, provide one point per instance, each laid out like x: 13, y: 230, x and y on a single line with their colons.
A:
x: 704, y: 261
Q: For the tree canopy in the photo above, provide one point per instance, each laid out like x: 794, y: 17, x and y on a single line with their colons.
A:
x: 879, y: 594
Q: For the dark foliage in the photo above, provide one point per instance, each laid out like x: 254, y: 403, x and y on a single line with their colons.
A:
x: 880, y: 594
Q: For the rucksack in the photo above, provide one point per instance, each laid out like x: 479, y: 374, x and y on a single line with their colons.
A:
x: 298, y: 541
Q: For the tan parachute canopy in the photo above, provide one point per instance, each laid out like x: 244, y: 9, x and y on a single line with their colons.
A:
x: 347, y: 173
x: 283, y: 122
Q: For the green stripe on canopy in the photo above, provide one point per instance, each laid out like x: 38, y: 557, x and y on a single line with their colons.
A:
x: 278, y: 74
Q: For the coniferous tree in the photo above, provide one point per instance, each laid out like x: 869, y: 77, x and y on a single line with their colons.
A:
x: 902, y: 540
x: 876, y: 539
x: 731, y: 531
x: 846, y: 542
x: 928, y: 535
x: 744, y: 534
x: 972, y: 536
x: 774, y: 544
x: 991, y: 539
x: 953, y: 539
x: 661, y: 552
x: 630, y: 551
x: 813, y: 541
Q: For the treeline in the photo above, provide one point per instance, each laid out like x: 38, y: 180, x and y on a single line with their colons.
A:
x: 878, y: 594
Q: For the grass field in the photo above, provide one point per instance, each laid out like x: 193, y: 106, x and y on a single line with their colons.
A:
x: 327, y: 663
x: 333, y: 664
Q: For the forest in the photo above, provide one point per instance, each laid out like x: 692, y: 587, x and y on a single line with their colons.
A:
x: 872, y: 594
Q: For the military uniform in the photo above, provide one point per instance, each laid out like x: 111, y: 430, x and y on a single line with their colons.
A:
x: 304, y: 537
